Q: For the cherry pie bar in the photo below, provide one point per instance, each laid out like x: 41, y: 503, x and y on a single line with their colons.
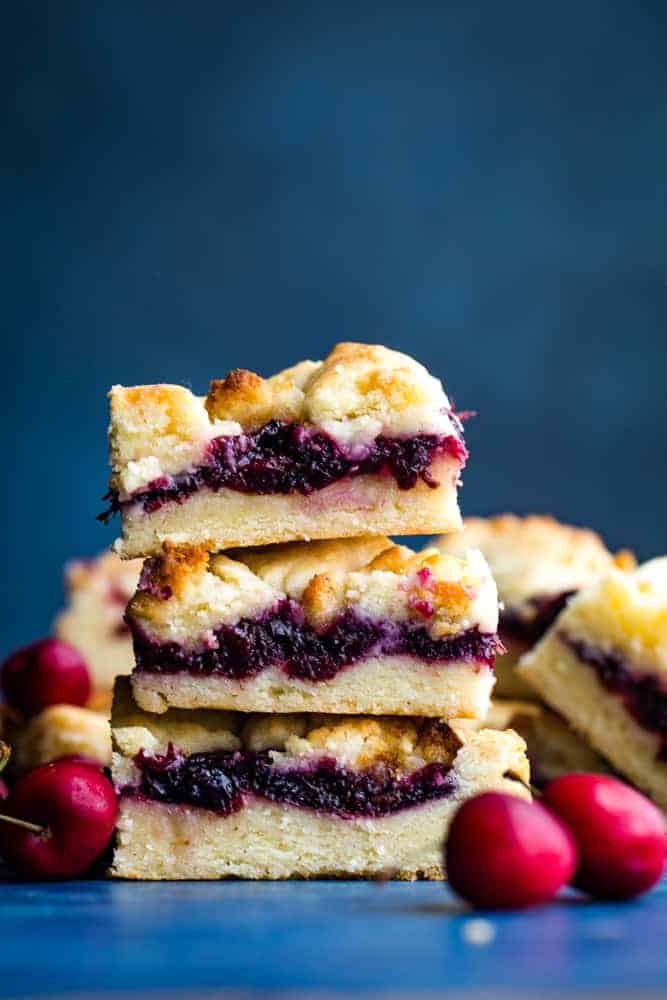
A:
x: 553, y: 747
x: 603, y: 667
x: 538, y: 564
x: 363, y: 442
x: 209, y: 795
x: 349, y: 626
x: 98, y: 591
x: 60, y: 731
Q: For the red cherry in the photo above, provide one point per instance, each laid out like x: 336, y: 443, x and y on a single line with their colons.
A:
x: 504, y: 853
x: 4, y: 790
x: 76, y: 806
x: 84, y: 760
x: 48, y: 672
x: 620, y: 834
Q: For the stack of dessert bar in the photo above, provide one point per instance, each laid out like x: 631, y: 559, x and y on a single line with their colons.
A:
x: 307, y: 697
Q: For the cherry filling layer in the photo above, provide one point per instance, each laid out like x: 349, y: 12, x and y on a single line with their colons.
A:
x: 642, y: 696
x: 530, y: 624
x: 286, y: 457
x: 282, y: 638
x: 220, y: 780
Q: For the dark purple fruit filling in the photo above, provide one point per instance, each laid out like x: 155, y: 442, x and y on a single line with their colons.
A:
x: 286, y: 457
x: 281, y: 638
x: 220, y: 780
x: 530, y: 626
x: 642, y: 696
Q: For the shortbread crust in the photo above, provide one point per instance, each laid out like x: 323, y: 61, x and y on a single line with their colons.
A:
x: 263, y: 838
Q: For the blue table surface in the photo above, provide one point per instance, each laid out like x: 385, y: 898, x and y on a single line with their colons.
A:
x: 337, y: 938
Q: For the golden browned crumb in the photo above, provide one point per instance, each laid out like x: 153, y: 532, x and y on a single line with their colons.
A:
x: 535, y: 556
x: 245, y: 397
x: 186, y: 591
x: 176, y: 566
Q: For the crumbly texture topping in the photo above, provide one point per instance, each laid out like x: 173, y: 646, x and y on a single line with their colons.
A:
x: 404, y: 744
x: 185, y: 594
x: 624, y: 613
x: 356, y: 393
x: 61, y: 730
x: 535, y: 556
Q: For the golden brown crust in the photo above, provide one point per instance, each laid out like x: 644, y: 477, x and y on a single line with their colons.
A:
x: 178, y: 563
x: 536, y: 555
x: 242, y: 395
x: 251, y: 400
x: 187, y: 591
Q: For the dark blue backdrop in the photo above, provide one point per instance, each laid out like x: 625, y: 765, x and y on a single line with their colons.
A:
x: 195, y: 186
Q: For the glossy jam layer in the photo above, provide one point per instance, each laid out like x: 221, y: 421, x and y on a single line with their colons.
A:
x: 221, y: 780
x: 281, y: 638
x: 286, y: 457
x: 642, y: 695
x: 530, y: 625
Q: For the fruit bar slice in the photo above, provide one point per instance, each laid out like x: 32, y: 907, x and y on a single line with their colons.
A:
x: 60, y: 731
x: 98, y: 592
x: 554, y: 748
x: 355, y: 625
x: 365, y: 441
x: 206, y: 795
x: 603, y: 666
x: 538, y: 564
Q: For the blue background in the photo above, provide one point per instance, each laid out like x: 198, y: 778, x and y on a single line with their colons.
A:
x: 190, y: 187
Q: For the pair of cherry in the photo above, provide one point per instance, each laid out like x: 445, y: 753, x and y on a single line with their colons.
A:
x: 590, y: 830
x: 58, y: 818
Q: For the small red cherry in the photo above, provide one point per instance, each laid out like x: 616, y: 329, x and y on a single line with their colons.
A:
x: 48, y: 672
x: 75, y: 806
x: 84, y: 760
x: 504, y: 853
x: 620, y: 834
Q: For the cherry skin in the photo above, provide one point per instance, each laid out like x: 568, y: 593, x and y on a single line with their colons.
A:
x: 84, y: 760
x: 620, y: 834
x: 505, y: 853
x: 76, y: 805
x: 48, y: 672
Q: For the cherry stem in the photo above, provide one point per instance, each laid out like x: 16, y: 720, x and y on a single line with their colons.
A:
x: 5, y: 754
x: 33, y: 827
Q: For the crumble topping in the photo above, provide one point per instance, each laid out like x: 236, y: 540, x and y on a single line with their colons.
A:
x: 535, y: 557
x: 357, y: 393
x: 186, y: 593
x: 625, y: 614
